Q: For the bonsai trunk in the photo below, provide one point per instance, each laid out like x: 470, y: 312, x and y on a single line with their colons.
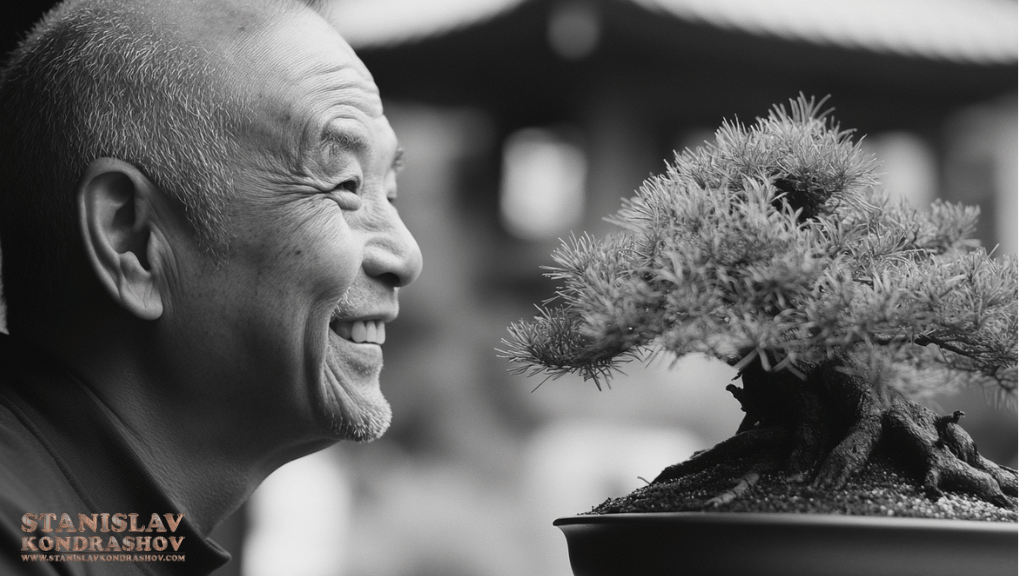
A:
x: 824, y: 429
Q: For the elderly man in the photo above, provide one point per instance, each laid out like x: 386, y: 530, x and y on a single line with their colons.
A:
x: 201, y: 250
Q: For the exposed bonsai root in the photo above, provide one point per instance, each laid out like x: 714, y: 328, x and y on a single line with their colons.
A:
x: 826, y: 429
x: 852, y: 452
x: 962, y: 446
x: 948, y: 454
x: 745, y: 483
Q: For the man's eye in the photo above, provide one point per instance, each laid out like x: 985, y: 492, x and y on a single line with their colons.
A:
x: 351, y: 185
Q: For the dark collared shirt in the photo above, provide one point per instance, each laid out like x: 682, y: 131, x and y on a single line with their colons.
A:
x: 61, y: 454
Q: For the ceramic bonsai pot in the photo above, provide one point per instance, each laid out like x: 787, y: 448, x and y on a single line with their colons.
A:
x: 769, y: 544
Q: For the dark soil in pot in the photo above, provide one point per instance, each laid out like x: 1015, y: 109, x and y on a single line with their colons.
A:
x: 882, y: 488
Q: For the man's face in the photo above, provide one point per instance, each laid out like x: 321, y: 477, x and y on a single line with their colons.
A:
x: 317, y: 249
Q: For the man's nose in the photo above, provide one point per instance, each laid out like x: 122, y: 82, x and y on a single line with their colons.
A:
x: 393, y: 255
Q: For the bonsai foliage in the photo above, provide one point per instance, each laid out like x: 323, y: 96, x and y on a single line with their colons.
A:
x: 773, y: 250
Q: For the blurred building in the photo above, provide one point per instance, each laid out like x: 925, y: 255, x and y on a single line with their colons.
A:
x: 629, y: 81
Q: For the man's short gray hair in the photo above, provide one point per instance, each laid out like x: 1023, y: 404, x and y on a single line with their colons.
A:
x: 102, y: 78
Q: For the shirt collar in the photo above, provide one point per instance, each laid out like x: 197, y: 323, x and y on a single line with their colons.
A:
x: 95, y: 458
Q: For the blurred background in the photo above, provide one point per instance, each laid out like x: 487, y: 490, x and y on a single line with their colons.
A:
x: 526, y: 120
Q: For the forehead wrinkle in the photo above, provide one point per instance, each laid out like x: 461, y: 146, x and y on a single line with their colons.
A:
x: 340, y: 93
x: 340, y: 89
x: 326, y: 118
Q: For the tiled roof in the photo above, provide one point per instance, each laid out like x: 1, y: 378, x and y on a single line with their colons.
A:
x: 978, y: 31
x: 981, y: 31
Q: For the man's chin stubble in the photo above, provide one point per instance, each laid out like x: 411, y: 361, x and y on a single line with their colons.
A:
x: 371, y: 420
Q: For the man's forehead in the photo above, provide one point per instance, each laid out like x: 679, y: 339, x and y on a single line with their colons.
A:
x: 212, y: 22
x: 302, y: 55
x: 284, y: 68
x: 306, y: 92
x: 267, y: 30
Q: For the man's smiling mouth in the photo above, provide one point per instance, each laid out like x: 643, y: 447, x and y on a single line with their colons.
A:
x: 360, y: 331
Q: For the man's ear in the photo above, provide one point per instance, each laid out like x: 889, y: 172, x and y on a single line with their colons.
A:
x: 117, y: 218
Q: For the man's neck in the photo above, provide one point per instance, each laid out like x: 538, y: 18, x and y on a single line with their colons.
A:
x: 205, y: 484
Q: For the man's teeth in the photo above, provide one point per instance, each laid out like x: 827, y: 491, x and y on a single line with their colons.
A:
x: 361, y: 331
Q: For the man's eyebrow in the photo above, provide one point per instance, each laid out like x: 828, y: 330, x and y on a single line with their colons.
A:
x: 399, y: 162
x: 335, y: 140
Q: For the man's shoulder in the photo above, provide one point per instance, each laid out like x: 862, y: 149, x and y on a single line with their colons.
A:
x: 30, y: 478
x: 30, y: 482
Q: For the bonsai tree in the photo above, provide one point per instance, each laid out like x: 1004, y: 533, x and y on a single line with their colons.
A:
x: 772, y: 249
